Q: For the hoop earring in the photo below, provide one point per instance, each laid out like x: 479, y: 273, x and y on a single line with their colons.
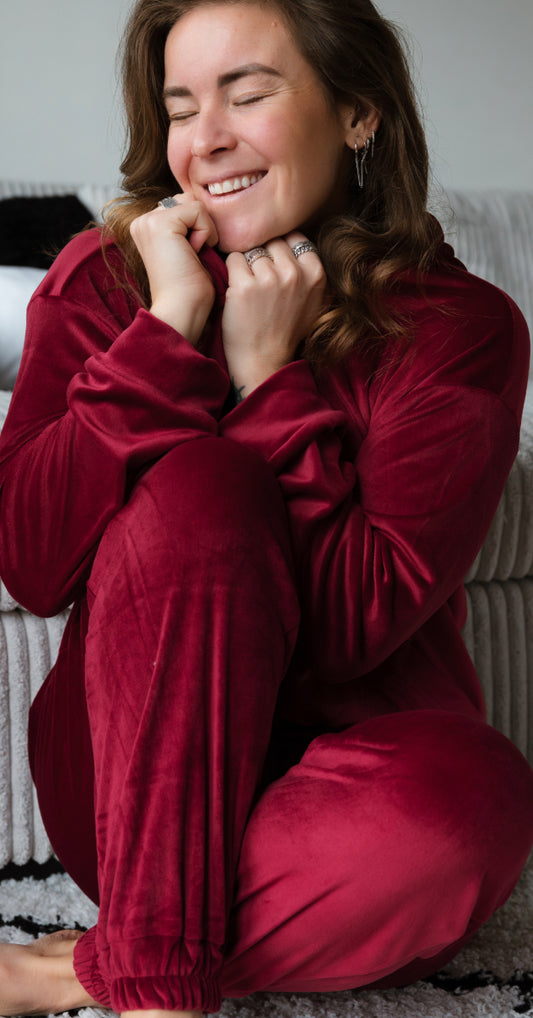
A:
x: 361, y: 155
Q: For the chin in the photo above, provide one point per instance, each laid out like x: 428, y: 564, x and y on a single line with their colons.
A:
x: 234, y: 239
x: 228, y: 243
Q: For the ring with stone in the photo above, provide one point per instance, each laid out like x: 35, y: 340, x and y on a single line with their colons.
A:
x: 303, y: 248
x: 168, y: 203
x: 255, y: 253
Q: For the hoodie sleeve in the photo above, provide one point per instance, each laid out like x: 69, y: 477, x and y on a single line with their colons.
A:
x: 387, y: 518
x: 100, y: 395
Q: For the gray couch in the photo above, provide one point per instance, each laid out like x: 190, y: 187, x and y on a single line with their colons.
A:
x: 493, y: 233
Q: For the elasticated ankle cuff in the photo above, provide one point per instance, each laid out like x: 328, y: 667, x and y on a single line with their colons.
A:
x: 127, y: 989
x: 87, y: 969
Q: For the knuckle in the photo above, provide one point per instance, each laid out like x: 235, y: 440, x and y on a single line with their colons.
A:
x: 272, y: 283
x: 248, y: 284
x: 290, y: 275
x: 141, y: 222
x: 317, y: 275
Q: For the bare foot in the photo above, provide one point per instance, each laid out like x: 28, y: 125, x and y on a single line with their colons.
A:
x: 60, y: 942
x: 154, y: 1013
x: 39, y: 978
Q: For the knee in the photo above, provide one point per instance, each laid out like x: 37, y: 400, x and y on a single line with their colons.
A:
x: 457, y: 784
x: 215, y: 490
x: 208, y: 508
x: 471, y: 781
x: 447, y: 788
x: 466, y: 793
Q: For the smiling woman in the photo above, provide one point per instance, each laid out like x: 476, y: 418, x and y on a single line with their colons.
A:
x: 270, y: 119
x: 261, y: 425
x: 381, y: 229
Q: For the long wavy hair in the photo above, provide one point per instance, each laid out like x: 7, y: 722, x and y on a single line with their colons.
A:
x: 360, y: 58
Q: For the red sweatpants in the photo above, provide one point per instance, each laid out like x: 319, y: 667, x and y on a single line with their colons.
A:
x: 370, y: 861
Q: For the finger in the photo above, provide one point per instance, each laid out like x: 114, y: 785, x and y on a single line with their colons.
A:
x: 248, y: 261
x: 301, y: 246
x: 169, y: 203
x: 296, y: 260
x: 287, y: 251
x: 200, y: 226
x: 237, y: 265
x: 189, y: 216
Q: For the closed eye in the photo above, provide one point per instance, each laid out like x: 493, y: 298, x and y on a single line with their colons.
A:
x: 249, y: 99
x: 179, y: 118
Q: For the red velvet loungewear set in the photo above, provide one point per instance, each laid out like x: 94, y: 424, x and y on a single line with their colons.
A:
x: 298, y: 557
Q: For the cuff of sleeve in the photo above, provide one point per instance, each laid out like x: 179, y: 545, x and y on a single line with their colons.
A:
x: 283, y: 415
x: 87, y: 969
x: 150, y: 353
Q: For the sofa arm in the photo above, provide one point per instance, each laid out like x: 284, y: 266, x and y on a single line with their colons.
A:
x: 28, y: 649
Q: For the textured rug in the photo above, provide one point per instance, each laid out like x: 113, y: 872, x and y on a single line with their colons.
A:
x: 491, y: 978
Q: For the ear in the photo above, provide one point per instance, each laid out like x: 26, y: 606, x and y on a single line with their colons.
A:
x: 359, y: 123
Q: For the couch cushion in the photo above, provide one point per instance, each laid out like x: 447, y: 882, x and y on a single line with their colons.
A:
x: 17, y: 284
x: 492, y: 233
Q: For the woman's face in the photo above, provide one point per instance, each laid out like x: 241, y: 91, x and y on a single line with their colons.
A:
x: 251, y: 132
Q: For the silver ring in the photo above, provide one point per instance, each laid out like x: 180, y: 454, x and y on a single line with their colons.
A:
x: 168, y: 203
x: 255, y: 253
x: 303, y: 247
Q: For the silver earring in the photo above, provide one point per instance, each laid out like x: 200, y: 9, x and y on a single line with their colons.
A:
x: 361, y: 155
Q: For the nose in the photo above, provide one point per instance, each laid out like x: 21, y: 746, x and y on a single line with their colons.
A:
x: 212, y: 134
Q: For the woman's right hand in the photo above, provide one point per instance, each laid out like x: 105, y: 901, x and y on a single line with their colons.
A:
x: 168, y: 240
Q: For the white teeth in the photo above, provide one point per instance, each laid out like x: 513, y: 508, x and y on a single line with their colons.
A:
x: 235, y: 184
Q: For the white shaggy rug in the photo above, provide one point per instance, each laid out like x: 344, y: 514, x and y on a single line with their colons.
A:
x: 491, y: 978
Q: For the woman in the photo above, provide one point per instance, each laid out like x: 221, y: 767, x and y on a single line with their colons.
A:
x: 262, y: 749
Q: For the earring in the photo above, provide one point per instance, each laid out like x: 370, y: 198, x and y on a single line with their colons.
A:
x: 361, y: 155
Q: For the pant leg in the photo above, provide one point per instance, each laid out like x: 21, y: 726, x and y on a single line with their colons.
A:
x: 378, y: 855
x: 192, y: 620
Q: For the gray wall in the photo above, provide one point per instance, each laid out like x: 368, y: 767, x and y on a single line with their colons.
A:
x: 60, y: 114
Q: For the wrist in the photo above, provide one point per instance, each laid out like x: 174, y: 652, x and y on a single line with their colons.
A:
x: 248, y: 372
x: 190, y: 323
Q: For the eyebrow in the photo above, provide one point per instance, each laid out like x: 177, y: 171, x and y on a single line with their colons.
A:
x: 178, y: 91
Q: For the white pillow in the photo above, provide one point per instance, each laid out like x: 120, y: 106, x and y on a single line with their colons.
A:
x: 16, y: 287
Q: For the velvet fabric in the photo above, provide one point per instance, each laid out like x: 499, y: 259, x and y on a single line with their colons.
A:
x: 272, y: 585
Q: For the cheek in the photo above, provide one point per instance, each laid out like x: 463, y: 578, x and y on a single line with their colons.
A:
x: 300, y: 148
x: 176, y: 157
x: 271, y: 139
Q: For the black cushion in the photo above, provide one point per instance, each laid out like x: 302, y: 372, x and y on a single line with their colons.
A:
x: 33, y: 230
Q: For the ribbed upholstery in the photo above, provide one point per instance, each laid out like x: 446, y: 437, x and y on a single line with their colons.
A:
x: 28, y: 648
x: 508, y: 549
x: 498, y: 635
x: 492, y: 233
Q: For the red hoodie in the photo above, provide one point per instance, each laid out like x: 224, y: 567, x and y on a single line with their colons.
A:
x: 390, y: 476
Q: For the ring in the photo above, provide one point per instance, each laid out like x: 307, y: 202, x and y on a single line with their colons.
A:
x: 303, y: 247
x: 255, y: 253
x: 168, y: 203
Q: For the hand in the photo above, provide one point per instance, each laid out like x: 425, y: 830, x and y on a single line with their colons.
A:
x: 168, y: 240
x: 270, y: 307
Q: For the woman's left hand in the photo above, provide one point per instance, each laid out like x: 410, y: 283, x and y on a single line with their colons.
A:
x: 271, y: 305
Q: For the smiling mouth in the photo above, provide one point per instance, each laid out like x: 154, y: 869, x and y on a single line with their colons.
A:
x: 231, y: 185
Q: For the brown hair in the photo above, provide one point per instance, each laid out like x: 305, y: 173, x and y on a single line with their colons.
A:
x: 359, y: 57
